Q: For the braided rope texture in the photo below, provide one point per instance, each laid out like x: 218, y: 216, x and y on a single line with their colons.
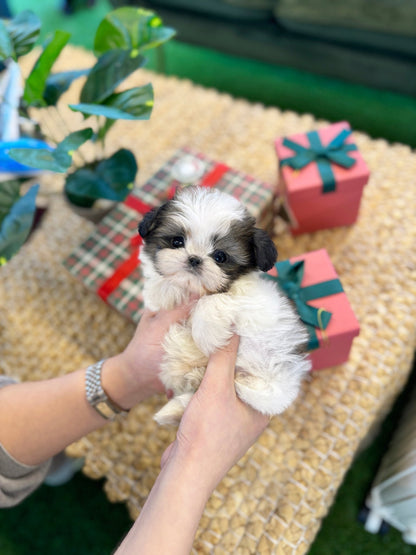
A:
x: 274, y: 499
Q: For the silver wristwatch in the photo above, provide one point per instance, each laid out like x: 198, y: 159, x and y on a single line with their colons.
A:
x: 96, y: 396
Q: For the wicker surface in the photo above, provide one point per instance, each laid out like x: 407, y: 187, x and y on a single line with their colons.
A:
x: 274, y: 499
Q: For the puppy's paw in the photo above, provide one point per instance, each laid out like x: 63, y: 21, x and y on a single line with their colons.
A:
x: 212, y: 321
x: 171, y: 413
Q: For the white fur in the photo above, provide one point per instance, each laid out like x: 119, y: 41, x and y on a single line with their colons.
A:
x: 268, y: 370
x: 202, y: 211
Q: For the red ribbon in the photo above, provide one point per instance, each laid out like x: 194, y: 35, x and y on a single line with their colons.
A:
x: 136, y: 204
x: 214, y: 175
x: 123, y: 270
x: 132, y: 262
x: 208, y: 180
x: 126, y: 267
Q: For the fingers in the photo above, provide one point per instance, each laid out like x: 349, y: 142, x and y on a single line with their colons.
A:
x: 221, y: 364
x: 169, y: 317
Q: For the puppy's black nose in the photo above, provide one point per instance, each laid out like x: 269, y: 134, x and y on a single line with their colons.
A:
x: 194, y: 261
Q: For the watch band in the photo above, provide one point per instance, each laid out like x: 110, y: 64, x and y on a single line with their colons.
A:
x: 96, y: 396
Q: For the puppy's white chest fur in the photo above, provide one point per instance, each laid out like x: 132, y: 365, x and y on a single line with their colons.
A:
x: 181, y: 259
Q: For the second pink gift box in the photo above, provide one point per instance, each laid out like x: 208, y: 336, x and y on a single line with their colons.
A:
x: 311, y: 282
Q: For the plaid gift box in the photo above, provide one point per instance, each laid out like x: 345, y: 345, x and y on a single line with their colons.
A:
x: 311, y: 282
x: 107, y: 262
x: 322, y: 176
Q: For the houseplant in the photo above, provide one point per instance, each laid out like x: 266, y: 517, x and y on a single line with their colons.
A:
x: 120, y: 41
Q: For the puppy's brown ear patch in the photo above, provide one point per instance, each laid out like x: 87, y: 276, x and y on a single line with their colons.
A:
x: 265, y: 252
x: 146, y: 224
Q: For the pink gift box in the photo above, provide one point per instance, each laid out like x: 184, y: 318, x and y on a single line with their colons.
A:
x: 309, y: 207
x: 336, y: 340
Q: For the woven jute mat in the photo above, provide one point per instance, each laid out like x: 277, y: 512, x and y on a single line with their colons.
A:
x: 274, y: 499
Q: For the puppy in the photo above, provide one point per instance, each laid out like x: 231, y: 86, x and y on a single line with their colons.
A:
x: 204, y: 244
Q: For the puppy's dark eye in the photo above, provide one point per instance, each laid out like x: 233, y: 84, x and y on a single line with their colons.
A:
x: 177, y: 242
x: 220, y: 257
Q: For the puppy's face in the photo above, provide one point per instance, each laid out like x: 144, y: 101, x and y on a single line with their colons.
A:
x: 203, y: 240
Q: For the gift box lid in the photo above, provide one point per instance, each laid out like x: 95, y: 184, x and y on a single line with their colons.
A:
x: 307, y: 181
x: 107, y: 261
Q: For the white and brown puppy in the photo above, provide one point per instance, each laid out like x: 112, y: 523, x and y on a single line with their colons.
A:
x: 204, y: 243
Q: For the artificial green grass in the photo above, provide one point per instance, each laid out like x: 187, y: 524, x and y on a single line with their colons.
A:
x: 77, y: 519
x: 73, y: 519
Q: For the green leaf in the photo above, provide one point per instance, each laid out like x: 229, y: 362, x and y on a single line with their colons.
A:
x: 119, y: 171
x: 6, y: 46
x: 109, y: 71
x: 100, y: 110
x: 40, y: 159
x: 83, y: 186
x: 24, y: 31
x: 36, y: 82
x: 9, y: 194
x: 135, y: 103
x: 130, y: 28
x: 65, y: 149
x: 58, y: 83
x: 111, y: 179
x: 16, y: 226
x: 58, y: 160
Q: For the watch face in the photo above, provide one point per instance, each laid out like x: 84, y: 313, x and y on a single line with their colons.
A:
x: 105, y: 410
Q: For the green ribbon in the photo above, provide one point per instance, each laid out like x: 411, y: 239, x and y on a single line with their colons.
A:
x: 289, y: 279
x: 336, y: 152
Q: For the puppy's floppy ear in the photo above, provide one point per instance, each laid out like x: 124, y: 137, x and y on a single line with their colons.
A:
x: 149, y: 222
x: 265, y: 252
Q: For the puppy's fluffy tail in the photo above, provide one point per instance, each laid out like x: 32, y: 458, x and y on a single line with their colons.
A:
x: 271, y: 390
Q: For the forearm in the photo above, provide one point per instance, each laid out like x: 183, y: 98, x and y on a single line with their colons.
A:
x: 170, y: 517
x: 39, y: 419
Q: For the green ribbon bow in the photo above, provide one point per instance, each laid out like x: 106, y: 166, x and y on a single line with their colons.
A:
x: 335, y: 152
x: 289, y: 279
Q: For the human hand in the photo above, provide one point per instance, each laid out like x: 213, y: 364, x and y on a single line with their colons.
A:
x: 215, y: 431
x: 217, y: 428
x: 133, y: 375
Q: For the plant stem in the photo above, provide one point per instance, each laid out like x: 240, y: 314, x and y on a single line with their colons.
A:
x: 67, y: 131
x: 160, y: 59
x: 101, y: 137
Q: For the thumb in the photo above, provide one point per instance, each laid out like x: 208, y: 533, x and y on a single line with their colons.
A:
x: 166, y: 455
x: 221, y: 364
x: 168, y: 317
x: 180, y: 311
